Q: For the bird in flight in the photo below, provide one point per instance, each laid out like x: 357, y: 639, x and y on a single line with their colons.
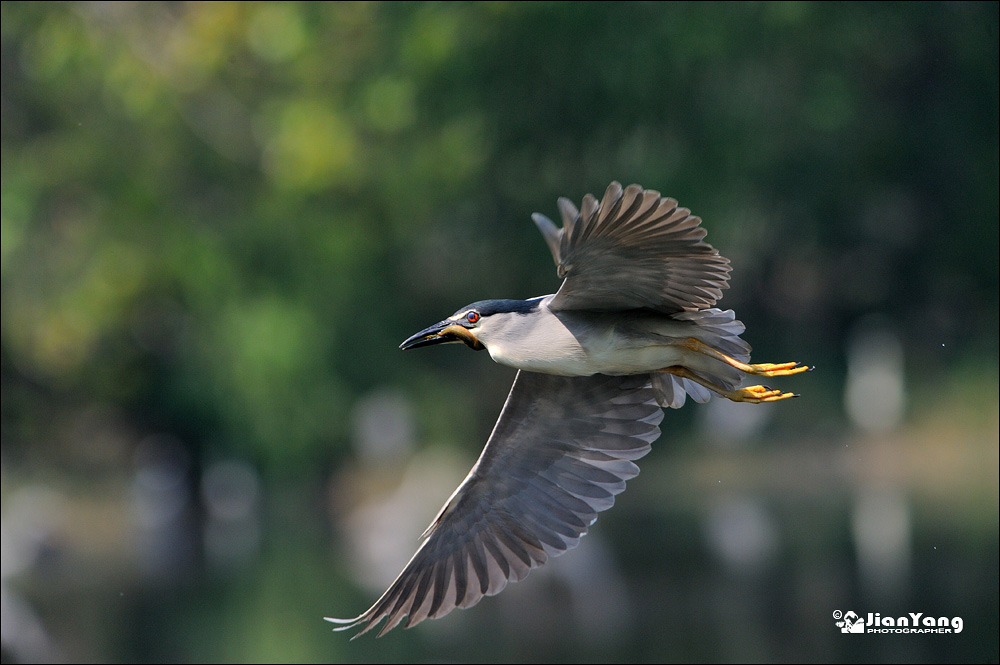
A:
x: 633, y: 328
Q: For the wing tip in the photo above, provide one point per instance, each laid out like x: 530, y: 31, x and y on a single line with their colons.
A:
x: 341, y: 621
x: 541, y: 220
x: 366, y: 623
x: 348, y: 624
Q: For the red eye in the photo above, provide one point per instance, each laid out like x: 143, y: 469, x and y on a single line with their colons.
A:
x: 472, y: 317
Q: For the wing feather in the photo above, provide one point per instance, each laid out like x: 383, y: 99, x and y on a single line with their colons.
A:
x: 560, y: 452
x: 633, y: 249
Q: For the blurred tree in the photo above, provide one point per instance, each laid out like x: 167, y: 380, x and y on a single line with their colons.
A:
x: 218, y: 220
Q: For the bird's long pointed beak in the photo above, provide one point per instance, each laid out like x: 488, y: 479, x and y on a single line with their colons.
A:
x: 442, y: 332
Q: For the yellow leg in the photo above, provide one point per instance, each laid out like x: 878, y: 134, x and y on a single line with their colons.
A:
x: 752, y: 394
x: 762, y: 369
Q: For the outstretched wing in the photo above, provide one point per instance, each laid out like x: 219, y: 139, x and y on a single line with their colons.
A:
x: 560, y: 452
x: 634, y: 249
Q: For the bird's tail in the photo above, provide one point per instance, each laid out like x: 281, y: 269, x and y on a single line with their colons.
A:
x: 720, y: 330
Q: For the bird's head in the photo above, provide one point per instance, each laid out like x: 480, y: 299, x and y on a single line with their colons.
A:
x: 470, y: 323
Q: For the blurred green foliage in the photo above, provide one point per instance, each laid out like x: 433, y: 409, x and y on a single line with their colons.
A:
x: 219, y: 220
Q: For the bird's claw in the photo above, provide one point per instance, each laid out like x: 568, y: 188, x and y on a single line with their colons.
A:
x: 758, y: 394
x: 778, y: 369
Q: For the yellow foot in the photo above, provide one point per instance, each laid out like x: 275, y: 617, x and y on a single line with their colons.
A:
x: 780, y: 369
x: 752, y: 394
x: 762, y: 369
x: 756, y: 394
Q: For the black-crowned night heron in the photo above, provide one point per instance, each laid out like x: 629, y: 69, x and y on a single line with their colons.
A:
x: 631, y: 329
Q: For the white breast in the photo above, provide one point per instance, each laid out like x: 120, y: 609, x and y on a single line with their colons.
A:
x: 536, y: 342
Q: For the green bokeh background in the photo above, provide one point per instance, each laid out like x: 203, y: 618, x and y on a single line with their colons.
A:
x: 219, y: 221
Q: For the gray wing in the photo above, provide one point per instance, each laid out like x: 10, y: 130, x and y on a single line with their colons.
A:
x: 560, y: 452
x: 634, y: 249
